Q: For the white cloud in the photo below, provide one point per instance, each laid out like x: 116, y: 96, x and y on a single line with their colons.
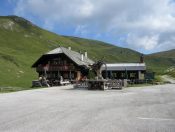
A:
x: 144, y: 22
x: 48, y: 25
x: 139, y: 42
x: 81, y: 30
x: 86, y: 9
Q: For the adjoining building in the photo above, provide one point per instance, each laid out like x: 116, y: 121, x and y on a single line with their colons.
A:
x: 124, y: 71
x: 62, y: 62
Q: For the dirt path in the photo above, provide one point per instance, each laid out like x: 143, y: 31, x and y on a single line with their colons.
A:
x: 168, y: 78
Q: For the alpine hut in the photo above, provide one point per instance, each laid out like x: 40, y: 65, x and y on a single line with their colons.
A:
x: 63, y: 62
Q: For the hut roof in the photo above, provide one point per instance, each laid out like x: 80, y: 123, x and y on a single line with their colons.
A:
x: 73, y: 55
x: 125, y: 66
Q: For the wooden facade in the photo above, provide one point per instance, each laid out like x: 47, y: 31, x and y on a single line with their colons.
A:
x: 57, y: 66
x: 62, y: 63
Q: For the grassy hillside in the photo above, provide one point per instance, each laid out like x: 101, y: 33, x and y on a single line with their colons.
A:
x: 110, y: 53
x: 172, y: 74
x: 22, y: 43
x: 161, y: 61
x: 165, y: 54
x: 171, y: 71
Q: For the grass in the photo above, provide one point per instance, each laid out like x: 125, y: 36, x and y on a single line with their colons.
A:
x: 172, y: 74
x: 158, y: 78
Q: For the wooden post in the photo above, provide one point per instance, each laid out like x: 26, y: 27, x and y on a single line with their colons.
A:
x: 126, y: 74
x: 78, y: 75
x: 110, y: 74
x: 70, y: 75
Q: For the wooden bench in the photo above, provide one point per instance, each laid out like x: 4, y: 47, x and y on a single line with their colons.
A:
x: 36, y: 83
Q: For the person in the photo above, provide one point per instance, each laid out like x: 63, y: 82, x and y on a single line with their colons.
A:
x: 45, y: 81
x: 61, y: 78
x: 40, y: 80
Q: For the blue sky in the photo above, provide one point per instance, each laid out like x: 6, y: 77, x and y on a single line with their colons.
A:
x: 143, y: 25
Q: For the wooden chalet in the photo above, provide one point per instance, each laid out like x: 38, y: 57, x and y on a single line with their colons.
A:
x: 62, y: 62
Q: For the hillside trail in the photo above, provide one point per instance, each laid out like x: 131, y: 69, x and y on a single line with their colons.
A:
x: 168, y: 78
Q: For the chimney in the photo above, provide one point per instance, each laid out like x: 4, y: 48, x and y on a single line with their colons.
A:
x: 141, y: 58
x: 85, y: 54
x: 69, y: 48
x: 82, y: 57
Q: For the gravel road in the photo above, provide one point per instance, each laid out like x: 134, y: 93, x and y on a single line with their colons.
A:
x: 64, y: 109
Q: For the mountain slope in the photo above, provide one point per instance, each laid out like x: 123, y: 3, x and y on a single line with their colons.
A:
x: 107, y: 52
x: 22, y: 43
x: 161, y: 61
x: 165, y: 54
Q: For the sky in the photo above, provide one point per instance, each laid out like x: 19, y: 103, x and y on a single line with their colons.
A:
x: 146, y: 26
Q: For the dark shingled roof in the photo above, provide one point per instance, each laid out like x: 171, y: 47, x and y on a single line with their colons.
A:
x: 74, y: 56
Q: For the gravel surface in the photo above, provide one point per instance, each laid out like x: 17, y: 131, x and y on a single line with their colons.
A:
x: 64, y: 109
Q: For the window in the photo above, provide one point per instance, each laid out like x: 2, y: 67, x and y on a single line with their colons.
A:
x: 132, y: 75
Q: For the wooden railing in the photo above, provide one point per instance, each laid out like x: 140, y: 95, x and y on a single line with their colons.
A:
x: 57, y: 68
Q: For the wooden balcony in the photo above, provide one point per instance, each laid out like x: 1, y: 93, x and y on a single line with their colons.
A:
x: 56, y: 68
